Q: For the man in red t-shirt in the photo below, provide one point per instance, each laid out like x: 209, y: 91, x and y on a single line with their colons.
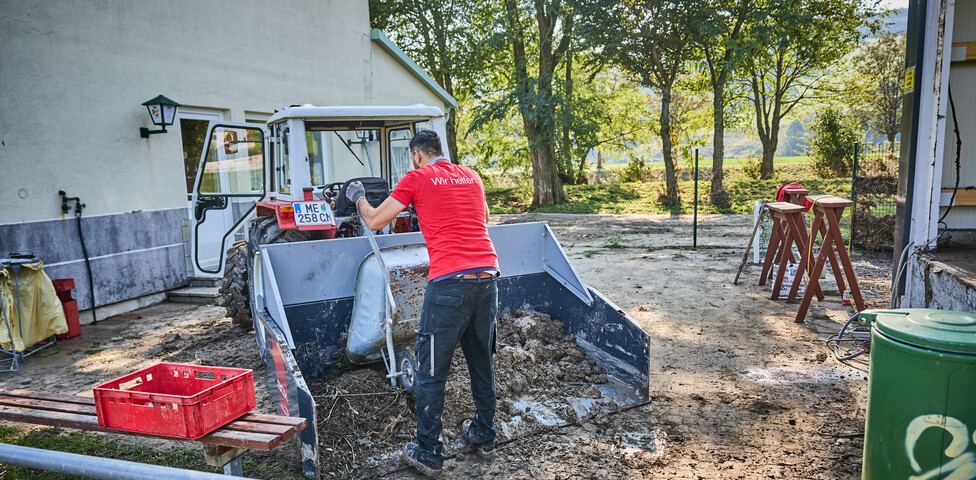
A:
x: 461, y: 300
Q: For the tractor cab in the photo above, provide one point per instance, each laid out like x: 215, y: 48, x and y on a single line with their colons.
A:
x: 295, y: 169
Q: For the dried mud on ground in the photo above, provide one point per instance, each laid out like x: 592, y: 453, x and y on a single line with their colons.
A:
x: 737, y: 389
x: 542, y: 379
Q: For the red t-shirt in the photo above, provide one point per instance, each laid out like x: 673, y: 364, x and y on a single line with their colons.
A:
x: 450, y: 203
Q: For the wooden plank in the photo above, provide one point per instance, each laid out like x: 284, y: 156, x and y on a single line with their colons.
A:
x: 47, y: 405
x: 964, y: 196
x: 970, y: 51
x: 52, y: 419
x: 278, y: 419
x: 269, y: 428
x: 229, y: 438
x: 280, y: 436
x: 54, y: 397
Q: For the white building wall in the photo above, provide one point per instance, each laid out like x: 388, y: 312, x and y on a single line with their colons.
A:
x: 74, y: 75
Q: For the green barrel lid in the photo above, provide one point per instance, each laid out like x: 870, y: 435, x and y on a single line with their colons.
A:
x: 943, y: 330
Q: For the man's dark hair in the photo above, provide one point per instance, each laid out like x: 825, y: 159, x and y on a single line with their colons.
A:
x: 426, y: 142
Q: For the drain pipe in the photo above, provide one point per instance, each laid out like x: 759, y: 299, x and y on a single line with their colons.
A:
x: 65, y: 208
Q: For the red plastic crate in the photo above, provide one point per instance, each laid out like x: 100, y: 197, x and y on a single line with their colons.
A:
x: 175, y: 400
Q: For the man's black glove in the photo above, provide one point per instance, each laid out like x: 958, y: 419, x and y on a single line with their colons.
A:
x: 355, y: 191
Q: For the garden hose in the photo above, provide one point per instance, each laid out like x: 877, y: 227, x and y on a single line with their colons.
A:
x: 834, y: 341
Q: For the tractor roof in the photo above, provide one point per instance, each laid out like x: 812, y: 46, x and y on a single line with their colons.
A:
x: 410, y: 112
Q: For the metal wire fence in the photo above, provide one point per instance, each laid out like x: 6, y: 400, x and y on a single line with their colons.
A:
x: 873, y: 188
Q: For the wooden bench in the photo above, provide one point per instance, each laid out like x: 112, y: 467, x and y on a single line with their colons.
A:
x: 223, y: 447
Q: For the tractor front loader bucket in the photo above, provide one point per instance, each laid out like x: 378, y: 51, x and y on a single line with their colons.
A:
x: 304, y: 294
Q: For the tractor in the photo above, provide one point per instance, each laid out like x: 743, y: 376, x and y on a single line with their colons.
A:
x: 323, y: 292
x: 302, y: 197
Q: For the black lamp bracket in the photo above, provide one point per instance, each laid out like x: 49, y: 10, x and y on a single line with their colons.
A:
x: 145, y: 132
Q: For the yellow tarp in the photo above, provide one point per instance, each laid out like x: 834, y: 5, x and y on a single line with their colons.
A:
x: 41, y: 314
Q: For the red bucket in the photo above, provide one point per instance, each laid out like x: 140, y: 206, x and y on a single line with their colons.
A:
x: 63, y: 288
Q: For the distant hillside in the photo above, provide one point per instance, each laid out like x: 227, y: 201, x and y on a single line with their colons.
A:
x: 741, y: 144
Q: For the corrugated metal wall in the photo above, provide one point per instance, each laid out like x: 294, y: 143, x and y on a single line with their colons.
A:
x: 962, y: 81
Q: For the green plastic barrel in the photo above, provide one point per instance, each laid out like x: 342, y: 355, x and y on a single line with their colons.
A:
x: 921, y: 414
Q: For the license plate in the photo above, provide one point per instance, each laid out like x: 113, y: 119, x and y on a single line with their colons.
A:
x: 313, y: 213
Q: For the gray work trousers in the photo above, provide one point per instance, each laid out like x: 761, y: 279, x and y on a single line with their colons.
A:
x: 456, y: 311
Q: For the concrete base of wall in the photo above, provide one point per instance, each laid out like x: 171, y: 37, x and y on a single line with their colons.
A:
x: 945, y: 280
x: 103, y: 312
x: 132, y: 254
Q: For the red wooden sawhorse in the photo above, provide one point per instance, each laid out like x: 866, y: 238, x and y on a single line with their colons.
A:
x: 222, y: 447
x: 828, y: 211
x: 797, y: 196
x: 788, y: 230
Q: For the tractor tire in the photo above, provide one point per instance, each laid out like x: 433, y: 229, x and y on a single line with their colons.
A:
x: 235, y: 285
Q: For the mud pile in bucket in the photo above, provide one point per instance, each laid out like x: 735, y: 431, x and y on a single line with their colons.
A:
x: 542, y: 380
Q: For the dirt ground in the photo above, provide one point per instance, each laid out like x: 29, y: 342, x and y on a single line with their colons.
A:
x: 737, y: 389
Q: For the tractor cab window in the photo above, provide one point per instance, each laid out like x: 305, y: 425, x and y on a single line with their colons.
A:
x: 283, y: 162
x: 234, y: 162
x: 316, y: 159
x: 400, y: 162
x: 340, y: 155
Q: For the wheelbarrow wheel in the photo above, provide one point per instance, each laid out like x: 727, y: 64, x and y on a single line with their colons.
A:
x: 406, y: 364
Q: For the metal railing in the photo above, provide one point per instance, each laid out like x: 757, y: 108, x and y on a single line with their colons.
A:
x: 95, y: 467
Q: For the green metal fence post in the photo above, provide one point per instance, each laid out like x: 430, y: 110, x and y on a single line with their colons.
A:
x: 694, y: 228
x: 850, y: 242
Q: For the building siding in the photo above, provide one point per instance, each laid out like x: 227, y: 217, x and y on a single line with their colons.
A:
x: 74, y: 75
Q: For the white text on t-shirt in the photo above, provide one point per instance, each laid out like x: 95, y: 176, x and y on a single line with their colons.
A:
x: 453, y: 181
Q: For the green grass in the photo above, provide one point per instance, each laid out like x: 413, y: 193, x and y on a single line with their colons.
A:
x: 86, y: 443
x: 706, y: 161
x: 642, y: 197
x: 614, y: 242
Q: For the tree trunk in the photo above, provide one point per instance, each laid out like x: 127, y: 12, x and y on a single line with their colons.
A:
x: 535, y: 105
x: 581, y: 174
x: 770, y: 143
x: 548, y: 189
x: 452, y: 137
x: 718, y: 195
x: 767, y: 126
x: 567, y: 147
x: 671, y: 179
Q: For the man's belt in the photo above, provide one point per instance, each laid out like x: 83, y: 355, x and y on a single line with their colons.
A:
x: 475, y: 275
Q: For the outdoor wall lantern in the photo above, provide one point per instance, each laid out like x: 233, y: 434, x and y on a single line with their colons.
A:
x: 162, y: 111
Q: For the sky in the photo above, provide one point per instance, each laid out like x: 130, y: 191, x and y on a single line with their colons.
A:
x: 895, y: 3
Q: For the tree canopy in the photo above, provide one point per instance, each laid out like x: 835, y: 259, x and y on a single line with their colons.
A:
x: 547, y: 85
